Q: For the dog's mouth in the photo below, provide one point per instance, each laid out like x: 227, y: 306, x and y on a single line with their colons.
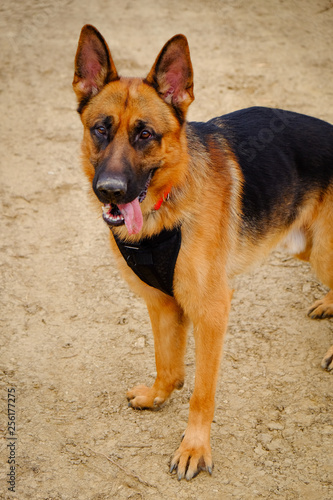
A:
x: 129, y: 214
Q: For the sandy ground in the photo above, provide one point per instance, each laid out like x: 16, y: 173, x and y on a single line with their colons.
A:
x: 74, y: 338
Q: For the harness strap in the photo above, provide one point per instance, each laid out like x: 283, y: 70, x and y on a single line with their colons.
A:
x: 153, y: 259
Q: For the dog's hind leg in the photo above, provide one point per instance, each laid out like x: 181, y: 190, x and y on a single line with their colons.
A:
x: 322, y: 308
x: 170, y: 327
x: 321, y: 259
x: 321, y: 256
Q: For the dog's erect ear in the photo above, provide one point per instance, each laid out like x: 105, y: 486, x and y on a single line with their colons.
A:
x: 94, y: 67
x: 172, y: 74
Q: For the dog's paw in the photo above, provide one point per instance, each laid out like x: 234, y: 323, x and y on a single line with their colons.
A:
x: 142, y: 397
x: 322, y: 308
x: 327, y: 362
x: 192, y: 457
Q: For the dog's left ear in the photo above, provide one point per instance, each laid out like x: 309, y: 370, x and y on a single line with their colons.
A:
x: 94, y: 67
x: 172, y: 74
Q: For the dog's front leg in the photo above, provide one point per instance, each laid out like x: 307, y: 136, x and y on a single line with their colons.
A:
x: 194, y: 453
x: 170, y: 327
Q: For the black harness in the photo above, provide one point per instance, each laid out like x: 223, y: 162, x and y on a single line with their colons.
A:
x: 153, y: 259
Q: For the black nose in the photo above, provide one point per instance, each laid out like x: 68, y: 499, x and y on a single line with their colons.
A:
x: 111, y: 189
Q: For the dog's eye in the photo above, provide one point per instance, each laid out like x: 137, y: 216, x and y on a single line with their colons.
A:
x: 145, y: 134
x: 101, y: 131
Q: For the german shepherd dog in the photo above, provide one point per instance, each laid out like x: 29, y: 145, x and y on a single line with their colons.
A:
x: 198, y: 203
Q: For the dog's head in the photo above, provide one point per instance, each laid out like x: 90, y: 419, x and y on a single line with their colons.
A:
x: 134, y: 145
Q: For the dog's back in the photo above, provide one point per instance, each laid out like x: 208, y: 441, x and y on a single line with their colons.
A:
x: 285, y: 158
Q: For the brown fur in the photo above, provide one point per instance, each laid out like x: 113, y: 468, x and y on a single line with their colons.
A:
x: 205, y: 199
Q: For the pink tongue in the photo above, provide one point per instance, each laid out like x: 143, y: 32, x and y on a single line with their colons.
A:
x: 132, y: 215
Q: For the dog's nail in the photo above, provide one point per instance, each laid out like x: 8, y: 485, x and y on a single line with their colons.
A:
x: 326, y: 363
x: 157, y: 402
x: 173, y: 467
x: 192, y: 476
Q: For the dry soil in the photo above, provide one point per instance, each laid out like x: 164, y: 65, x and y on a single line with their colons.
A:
x: 74, y: 337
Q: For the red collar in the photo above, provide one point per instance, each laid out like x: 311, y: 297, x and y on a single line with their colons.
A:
x: 165, y: 197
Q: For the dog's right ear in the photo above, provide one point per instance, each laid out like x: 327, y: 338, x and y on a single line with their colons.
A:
x: 94, y: 67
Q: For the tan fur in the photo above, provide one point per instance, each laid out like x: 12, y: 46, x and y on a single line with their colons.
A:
x: 212, y: 250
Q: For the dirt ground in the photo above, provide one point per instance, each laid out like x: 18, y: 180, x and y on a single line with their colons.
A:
x: 74, y: 337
